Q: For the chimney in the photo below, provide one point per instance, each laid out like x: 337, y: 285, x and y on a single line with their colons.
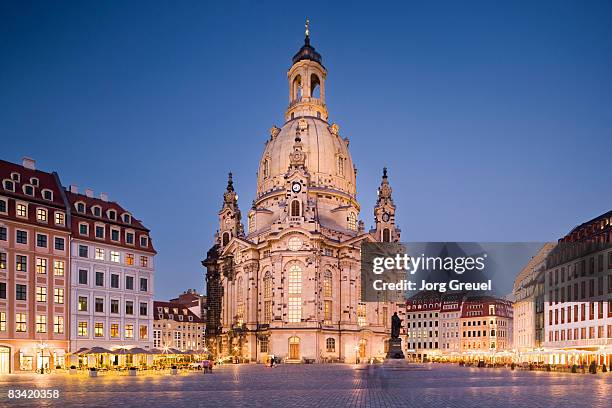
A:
x: 74, y: 189
x: 89, y: 192
x: 28, y: 163
x: 104, y: 196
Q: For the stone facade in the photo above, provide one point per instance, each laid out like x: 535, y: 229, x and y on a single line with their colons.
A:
x: 289, y: 285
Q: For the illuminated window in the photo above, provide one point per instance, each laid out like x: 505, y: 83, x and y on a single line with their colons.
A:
x: 144, y: 261
x: 82, y: 304
x: 2, y: 260
x: 240, y: 299
x: 268, y: 285
x: 144, y: 332
x: 21, y: 263
x: 22, y: 210
x: 352, y: 221
x: 58, y: 324
x: 59, y: 218
x: 129, y: 259
x: 295, y: 280
x: 41, y: 294
x: 82, y: 328
x: 100, y: 254
x: 327, y: 284
x: 41, y: 324
x: 330, y: 344
x: 2, y: 321
x: 361, y: 314
x: 41, y: 265
x: 20, y: 322
x: 114, y: 330
x: 295, y: 309
x: 114, y: 256
x: 327, y: 312
x: 41, y: 215
x: 129, y: 331
x: 58, y: 295
x: 99, y: 329
x: 267, y: 311
x: 58, y: 268
x: 295, y: 244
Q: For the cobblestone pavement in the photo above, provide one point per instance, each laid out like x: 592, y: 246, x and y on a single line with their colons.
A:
x: 334, y: 385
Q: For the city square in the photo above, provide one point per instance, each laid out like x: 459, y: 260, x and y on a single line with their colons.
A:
x: 323, y: 385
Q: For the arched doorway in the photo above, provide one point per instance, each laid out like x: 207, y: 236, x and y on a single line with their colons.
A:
x: 362, y: 348
x: 294, y: 348
x: 5, y: 360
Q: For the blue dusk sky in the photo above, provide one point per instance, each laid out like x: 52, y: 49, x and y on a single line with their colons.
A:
x: 494, y: 118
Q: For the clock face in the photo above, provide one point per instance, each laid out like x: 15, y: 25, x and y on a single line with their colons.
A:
x: 386, y: 217
x: 296, y: 187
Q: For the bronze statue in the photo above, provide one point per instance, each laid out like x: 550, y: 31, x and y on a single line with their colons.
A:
x: 396, y: 324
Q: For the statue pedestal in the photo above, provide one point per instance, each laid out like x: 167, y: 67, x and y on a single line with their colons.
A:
x: 395, y: 349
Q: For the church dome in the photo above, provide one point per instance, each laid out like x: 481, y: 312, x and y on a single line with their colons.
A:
x: 328, y: 160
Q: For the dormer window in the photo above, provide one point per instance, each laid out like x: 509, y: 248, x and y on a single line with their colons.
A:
x: 34, y: 181
x: 144, y: 241
x: 175, y: 310
x: 28, y: 190
x: 15, y: 177
x: 112, y: 214
x: 191, y: 318
x: 47, y: 195
x: 80, y: 207
x: 96, y: 210
x: 166, y: 310
x: 9, y: 185
x: 127, y: 218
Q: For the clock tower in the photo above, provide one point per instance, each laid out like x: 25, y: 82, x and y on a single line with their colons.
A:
x: 384, y: 213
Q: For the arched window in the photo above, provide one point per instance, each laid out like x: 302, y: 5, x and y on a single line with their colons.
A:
x: 295, y: 208
x: 295, y: 292
x: 315, y: 86
x: 239, y: 290
x: 330, y: 345
x: 296, y: 88
x: 341, y: 166
x: 352, y: 221
x: 386, y: 235
x: 295, y: 280
x: 251, y: 222
x: 240, y: 301
x: 268, y: 285
x: 327, y: 284
x: 226, y: 238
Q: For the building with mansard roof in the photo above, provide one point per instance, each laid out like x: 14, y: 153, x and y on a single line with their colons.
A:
x: 288, y: 284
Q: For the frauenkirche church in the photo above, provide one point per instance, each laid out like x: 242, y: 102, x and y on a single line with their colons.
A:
x: 289, y: 286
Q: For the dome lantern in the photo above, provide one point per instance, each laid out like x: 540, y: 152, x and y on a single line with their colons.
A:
x: 307, y: 83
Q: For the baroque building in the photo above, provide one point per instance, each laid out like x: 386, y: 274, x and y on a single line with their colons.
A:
x: 289, y: 284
